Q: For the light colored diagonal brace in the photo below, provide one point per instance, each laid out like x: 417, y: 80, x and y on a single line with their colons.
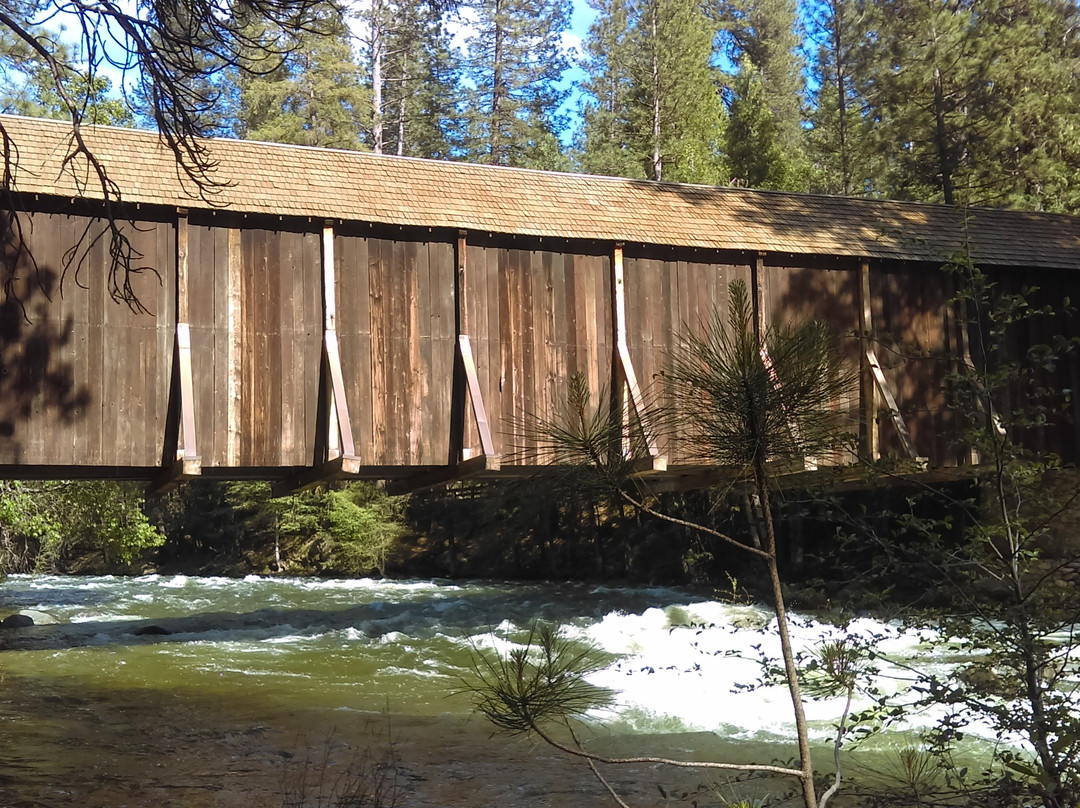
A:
x: 476, y: 398
x: 339, y: 429
x: 187, y: 451
x: 877, y: 374
x: 757, y: 271
x: 625, y: 369
x: 890, y: 402
x: 489, y: 458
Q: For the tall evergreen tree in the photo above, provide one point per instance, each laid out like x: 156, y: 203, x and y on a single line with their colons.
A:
x: 422, y: 96
x: 654, y: 108
x: 974, y: 101
x: 605, y: 131
x: 765, y: 32
x: 312, y: 97
x: 515, y: 66
x: 838, y: 164
x: 755, y: 155
x: 676, y: 111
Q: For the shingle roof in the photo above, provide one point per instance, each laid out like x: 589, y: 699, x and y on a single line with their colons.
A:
x: 325, y: 183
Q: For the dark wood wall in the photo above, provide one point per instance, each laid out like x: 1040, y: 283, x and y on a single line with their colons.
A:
x: 255, y: 308
x: 535, y: 316
x: 84, y: 381
x: 396, y: 320
x: 87, y: 383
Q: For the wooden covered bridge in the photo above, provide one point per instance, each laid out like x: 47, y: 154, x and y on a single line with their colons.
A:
x: 330, y: 314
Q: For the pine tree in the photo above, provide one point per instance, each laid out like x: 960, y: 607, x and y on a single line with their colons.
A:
x: 605, y: 131
x: 312, y: 97
x: 755, y: 155
x: 30, y: 89
x: 422, y: 78
x: 765, y: 33
x: 838, y: 164
x: 655, y: 108
x: 515, y: 62
x: 973, y: 102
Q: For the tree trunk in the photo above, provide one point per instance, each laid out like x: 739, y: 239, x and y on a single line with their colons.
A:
x: 401, y: 105
x: 376, y: 77
x: 495, y: 133
x: 941, y: 138
x: 780, y: 608
x: 657, y: 157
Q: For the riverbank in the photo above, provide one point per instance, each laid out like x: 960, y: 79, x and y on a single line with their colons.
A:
x: 68, y: 745
x: 253, y: 675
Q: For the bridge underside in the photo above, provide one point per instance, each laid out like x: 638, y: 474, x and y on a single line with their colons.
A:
x: 303, y: 351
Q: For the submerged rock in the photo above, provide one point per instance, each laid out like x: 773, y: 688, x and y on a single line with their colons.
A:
x: 151, y: 631
x: 40, y: 618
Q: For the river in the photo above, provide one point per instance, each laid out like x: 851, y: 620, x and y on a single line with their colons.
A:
x: 256, y: 677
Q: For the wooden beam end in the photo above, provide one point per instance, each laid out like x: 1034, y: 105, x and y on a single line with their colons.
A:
x: 185, y: 468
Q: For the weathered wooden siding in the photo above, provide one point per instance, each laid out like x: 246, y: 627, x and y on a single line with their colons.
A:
x: 84, y: 381
x: 534, y: 316
x: 666, y: 301
x: 255, y: 304
x: 396, y: 321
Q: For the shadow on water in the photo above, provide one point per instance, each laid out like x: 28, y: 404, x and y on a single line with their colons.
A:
x: 37, y: 374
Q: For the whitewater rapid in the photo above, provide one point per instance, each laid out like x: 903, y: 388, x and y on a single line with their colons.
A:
x: 678, y: 661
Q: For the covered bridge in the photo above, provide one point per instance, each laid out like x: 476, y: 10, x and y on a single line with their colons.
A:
x: 328, y: 314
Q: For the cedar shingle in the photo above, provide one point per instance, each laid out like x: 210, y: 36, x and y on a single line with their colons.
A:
x: 274, y: 179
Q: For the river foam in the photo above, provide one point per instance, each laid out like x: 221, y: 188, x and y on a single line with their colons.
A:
x: 678, y: 661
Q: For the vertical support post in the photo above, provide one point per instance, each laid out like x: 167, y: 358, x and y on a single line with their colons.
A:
x: 620, y: 386
x: 466, y: 380
x: 339, y: 439
x: 757, y: 289
x: 458, y: 384
x: 234, y: 349
x: 333, y: 430
x: 869, y: 430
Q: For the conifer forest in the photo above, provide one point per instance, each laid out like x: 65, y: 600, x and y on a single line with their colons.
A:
x: 965, y: 102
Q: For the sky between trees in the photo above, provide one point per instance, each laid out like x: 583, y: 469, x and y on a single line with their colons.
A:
x: 954, y: 101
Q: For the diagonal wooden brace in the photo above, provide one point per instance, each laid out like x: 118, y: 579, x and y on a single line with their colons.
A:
x: 890, y: 402
x: 476, y: 399
x: 186, y: 463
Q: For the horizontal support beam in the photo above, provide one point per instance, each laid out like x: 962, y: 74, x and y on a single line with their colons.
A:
x: 185, y: 468
x: 340, y: 468
x: 447, y: 474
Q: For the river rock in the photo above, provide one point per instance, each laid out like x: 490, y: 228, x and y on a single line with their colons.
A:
x: 18, y: 621
x: 40, y: 618
x: 151, y: 631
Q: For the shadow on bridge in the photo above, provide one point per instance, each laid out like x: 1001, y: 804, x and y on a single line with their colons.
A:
x: 37, y: 373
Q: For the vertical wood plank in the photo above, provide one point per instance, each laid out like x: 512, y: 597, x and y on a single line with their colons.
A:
x: 378, y: 256
x: 441, y: 270
x: 868, y: 427
x: 421, y: 407
x: 234, y: 348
